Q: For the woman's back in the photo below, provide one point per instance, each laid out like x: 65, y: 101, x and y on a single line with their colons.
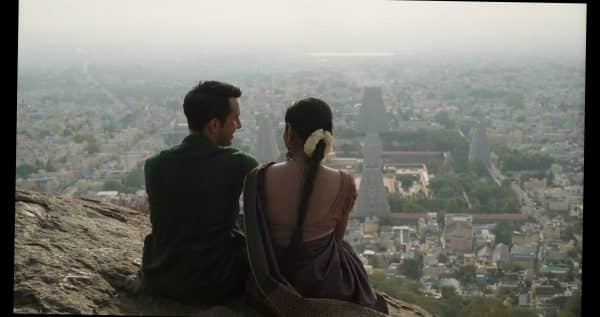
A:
x: 306, y: 206
x: 283, y: 183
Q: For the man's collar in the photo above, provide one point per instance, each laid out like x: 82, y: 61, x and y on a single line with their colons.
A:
x: 199, y: 139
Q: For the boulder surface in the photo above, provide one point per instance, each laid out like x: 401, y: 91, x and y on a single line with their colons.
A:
x: 77, y: 256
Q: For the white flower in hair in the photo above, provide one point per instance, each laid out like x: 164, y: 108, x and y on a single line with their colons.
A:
x: 311, y: 142
x: 328, y: 142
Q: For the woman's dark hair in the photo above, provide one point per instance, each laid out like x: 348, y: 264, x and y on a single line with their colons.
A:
x: 304, y: 117
x: 208, y: 100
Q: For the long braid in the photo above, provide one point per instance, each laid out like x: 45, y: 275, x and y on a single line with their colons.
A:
x: 307, y: 189
x: 304, y: 117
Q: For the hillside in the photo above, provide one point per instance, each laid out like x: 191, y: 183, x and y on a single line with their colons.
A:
x: 76, y: 256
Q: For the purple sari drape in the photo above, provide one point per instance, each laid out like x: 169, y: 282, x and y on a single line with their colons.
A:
x: 321, y: 268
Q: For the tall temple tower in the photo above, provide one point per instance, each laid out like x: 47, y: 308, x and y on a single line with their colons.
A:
x: 266, y: 146
x: 479, y: 149
x: 372, y: 195
x: 372, y: 117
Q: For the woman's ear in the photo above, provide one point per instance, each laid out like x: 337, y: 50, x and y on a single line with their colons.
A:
x: 289, y: 134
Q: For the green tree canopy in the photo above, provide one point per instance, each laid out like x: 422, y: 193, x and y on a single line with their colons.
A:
x: 412, y: 268
x: 24, y: 170
x: 513, y: 160
x: 443, y: 118
x: 135, y: 178
x: 111, y: 184
x: 466, y: 274
x: 407, y: 180
x: 92, y: 145
x: 503, y: 231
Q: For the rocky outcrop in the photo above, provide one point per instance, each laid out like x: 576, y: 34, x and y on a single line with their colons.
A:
x: 79, y: 256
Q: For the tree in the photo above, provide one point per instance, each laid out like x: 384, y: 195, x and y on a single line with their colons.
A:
x: 111, y: 184
x: 513, y: 160
x: 92, y: 146
x: 407, y: 180
x: 412, y: 268
x: 503, y: 231
x: 550, y: 178
x: 135, y: 178
x: 522, y: 312
x: 24, y: 170
x: 527, y: 175
x: 478, y: 168
x: 50, y: 166
x: 570, y: 231
x: 67, y: 132
x: 570, y: 276
x: 397, y: 202
x: 448, y: 292
x: 512, y: 267
x: 466, y: 274
x: 441, y: 218
x: 572, y: 305
x: 444, y: 119
x: 457, y: 205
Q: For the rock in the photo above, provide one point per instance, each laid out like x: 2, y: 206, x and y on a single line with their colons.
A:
x: 75, y: 256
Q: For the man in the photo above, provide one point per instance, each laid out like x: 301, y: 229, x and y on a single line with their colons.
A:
x: 194, y: 253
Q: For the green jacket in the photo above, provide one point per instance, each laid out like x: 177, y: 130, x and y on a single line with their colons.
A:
x: 193, y: 252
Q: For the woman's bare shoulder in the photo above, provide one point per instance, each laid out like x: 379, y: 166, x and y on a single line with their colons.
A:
x: 336, y: 172
x: 280, y: 171
x: 331, y: 172
x: 276, y: 168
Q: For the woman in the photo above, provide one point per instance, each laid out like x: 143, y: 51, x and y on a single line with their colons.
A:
x: 296, y: 215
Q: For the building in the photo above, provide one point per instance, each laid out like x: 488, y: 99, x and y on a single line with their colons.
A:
x: 427, y: 158
x: 266, y: 146
x: 458, y: 233
x: 372, y: 194
x: 372, y: 117
x: 371, y: 225
x: 484, y: 254
x: 524, y: 255
x: 403, y: 236
x: 558, y: 205
x: 501, y: 254
x: 523, y: 291
x: 483, y: 236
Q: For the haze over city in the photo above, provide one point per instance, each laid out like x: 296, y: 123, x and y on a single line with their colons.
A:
x: 152, y: 31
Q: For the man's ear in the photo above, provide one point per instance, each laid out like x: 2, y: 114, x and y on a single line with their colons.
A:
x: 213, y: 126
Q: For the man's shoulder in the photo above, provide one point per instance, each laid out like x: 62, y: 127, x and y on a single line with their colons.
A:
x: 238, y: 154
x: 161, y: 156
x: 154, y: 159
x: 165, y: 153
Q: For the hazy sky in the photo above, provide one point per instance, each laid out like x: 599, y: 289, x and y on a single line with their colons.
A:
x: 146, y: 27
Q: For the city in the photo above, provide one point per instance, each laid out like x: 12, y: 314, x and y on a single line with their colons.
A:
x: 469, y: 174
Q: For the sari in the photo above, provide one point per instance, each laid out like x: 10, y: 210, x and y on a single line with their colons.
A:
x: 325, y: 268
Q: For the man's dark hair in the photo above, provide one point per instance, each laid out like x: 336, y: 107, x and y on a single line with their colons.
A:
x: 208, y: 100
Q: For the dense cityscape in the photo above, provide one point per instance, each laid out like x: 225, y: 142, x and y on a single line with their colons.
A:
x: 469, y: 174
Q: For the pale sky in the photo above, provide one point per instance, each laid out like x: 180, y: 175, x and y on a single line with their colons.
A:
x: 158, y: 26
